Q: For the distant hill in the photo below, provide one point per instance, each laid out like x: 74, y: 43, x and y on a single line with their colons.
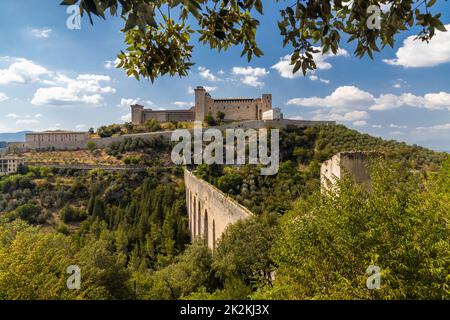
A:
x: 13, y: 136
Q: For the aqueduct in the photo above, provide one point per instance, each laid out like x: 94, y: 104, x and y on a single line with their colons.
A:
x: 210, y: 210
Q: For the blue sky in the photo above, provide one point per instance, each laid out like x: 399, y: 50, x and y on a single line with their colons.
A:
x: 52, y: 77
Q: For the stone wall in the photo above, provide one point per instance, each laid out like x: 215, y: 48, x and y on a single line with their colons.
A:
x: 354, y: 164
x: 139, y: 115
x: 60, y: 140
x: 210, y: 211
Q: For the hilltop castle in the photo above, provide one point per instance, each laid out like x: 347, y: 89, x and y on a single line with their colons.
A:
x: 233, y: 108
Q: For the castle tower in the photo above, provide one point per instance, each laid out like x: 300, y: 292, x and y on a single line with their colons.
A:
x: 200, y: 103
x: 137, y: 114
x: 354, y: 164
x: 266, y: 102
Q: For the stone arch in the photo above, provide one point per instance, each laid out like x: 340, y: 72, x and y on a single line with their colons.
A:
x: 205, y: 227
x: 194, y: 218
x: 213, y: 234
x: 199, y: 219
x: 189, y: 202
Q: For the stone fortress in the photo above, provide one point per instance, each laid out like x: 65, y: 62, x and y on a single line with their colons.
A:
x: 234, y: 109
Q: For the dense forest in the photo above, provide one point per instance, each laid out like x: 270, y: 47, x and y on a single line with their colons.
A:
x: 128, y: 230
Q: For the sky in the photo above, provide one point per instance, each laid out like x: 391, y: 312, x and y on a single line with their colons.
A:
x: 52, y: 77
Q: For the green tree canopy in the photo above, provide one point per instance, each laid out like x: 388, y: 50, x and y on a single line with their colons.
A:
x: 327, y: 243
x: 158, y: 33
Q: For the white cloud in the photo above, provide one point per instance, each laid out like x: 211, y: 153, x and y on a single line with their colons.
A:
x: 41, y: 32
x: 250, y: 76
x: 80, y: 127
x: 208, y: 89
x: 360, y: 123
x: 109, y: 64
x: 285, y: 69
x: 126, y: 118
x: 57, y: 126
x: 351, y: 98
x: 346, y: 97
x: 356, y: 115
x: 3, y: 97
x: 438, y: 127
x: 313, y: 77
x: 84, y: 89
x: 396, y: 126
x: 126, y: 103
x: 27, y: 121
x: 418, y: 54
x: 22, y: 71
x: 38, y: 115
x: 207, y: 74
x: 377, y: 126
x: 432, y: 101
x: 340, y: 115
x: 183, y: 104
x: 12, y: 115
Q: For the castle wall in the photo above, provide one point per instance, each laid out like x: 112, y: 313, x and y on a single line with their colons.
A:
x: 168, y: 115
x: 210, y: 211
x: 234, y: 109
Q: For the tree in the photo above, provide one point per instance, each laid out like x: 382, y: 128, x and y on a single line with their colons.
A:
x: 191, y: 271
x: 29, y: 212
x: 243, y: 251
x: 159, y: 43
x: 152, y: 125
x: 91, y: 145
x: 327, y: 243
x: 220, y: 115
x: 33, y: 265
x: 209, y: 119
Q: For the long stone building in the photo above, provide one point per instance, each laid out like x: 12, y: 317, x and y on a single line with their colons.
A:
x: 233, y: 108
x: 58, y: 139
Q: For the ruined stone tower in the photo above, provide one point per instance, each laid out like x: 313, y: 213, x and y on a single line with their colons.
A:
x: 355, y: 164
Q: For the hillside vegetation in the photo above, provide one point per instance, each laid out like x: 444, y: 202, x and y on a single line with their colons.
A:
x: 128, y: 231
x: 302, y: 150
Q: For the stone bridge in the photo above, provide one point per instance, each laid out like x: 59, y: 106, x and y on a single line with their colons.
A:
x: 210, y: 210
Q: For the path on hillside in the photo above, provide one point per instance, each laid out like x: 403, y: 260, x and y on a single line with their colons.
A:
x: 85, y: 166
